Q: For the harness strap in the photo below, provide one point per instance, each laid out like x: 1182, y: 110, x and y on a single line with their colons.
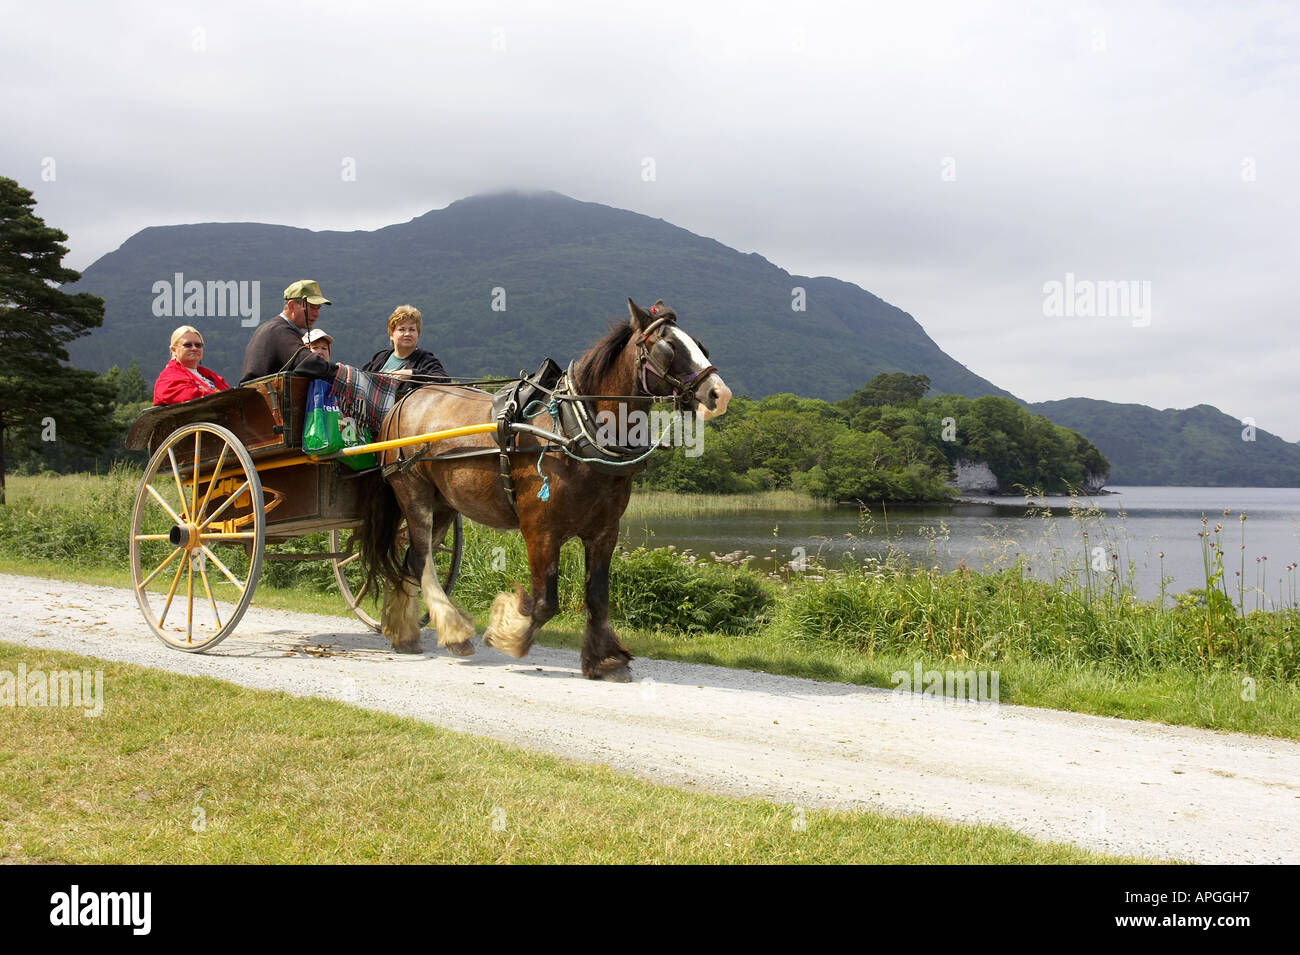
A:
x: 399, y: 463
x: 582, y: 419
x: 505, y: 442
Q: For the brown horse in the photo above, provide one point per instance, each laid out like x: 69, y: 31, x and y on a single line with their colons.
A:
x: 646, y: 357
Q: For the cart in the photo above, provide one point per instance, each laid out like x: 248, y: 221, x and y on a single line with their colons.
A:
x: 227, y: 479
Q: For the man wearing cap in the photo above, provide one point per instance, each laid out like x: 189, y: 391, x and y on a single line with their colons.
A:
x: 277, y: 344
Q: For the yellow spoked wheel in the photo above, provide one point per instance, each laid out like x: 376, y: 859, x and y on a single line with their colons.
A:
x: 351, y: 580
x: 198, y: 532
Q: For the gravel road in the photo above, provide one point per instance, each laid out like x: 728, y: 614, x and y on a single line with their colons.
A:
x: 1108, y: 784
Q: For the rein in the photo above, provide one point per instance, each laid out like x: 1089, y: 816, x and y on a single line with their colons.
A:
x: 469, y: 382
x: 573, y: 423
x: 574, y: 433
x: 648, y: 358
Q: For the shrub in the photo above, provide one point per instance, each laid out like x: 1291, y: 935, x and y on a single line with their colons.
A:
x: 657, y: 589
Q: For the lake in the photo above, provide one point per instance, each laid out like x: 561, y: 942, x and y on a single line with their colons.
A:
x: 1133, y: 524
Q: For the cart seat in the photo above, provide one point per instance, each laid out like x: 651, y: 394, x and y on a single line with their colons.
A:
x: 265, y: 414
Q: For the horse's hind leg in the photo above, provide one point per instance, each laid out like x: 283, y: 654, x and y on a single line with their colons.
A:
x: 603, y: 656
x: 401, y: 621
x: 401, y: 617
x: 455, y: 627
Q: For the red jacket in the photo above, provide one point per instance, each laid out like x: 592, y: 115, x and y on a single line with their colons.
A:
x: 176, y: 384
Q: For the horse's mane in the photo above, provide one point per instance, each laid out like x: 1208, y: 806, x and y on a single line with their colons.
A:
x: 601, y: 358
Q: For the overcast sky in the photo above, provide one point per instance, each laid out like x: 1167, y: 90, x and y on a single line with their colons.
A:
x: 952, y: 158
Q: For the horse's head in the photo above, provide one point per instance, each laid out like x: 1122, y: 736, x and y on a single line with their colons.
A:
x: 671, y: 362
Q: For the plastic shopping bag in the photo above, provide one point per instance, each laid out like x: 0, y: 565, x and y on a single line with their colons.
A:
x: 320, y: 432
x: 354, y: 433
x: 326, y: 430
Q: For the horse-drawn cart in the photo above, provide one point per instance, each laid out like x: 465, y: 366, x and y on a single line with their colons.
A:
x: 228, y: 474
x: 226, y: 478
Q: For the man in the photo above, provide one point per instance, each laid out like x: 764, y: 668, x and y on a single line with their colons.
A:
x: 277, y: 343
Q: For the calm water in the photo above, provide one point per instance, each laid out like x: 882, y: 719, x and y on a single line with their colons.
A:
x: 1136, y: 524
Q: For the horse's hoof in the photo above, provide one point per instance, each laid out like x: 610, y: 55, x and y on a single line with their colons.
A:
x: 511, y: 647
x: 621, y: 674
x: 465, y: 649
x: 407, y: 648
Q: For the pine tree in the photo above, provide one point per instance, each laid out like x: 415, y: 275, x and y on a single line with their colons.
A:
x: 41, y: 398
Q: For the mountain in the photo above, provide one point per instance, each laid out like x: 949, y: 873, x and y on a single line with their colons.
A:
x: 1194, y: 447
x: 562, y: 268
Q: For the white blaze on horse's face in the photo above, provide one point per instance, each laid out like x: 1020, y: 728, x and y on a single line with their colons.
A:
x: 712, y: 395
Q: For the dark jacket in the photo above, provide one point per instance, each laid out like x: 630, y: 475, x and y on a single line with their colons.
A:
x: 423, y: 364
x: 276, y: 346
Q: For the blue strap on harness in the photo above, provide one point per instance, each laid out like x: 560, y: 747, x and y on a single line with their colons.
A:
x: 553, y: 408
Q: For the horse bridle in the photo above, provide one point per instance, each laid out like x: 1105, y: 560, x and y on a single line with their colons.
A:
x: 658, y: 358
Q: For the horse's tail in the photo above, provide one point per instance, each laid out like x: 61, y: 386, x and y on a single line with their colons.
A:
x: 381, y: 515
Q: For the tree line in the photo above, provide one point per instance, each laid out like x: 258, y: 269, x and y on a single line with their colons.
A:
x: 886, y: 442
x: 42, y: 400
x: 119, y: 398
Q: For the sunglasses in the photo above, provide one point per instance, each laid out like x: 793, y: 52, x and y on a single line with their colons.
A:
x: 191, y: 344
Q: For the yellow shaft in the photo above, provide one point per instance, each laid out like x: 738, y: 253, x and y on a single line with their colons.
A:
x: 421, y: 438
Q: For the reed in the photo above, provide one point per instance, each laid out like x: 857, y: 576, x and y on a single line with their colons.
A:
x: 656, y: 504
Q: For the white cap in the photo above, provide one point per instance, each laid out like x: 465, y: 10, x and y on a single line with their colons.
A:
x: 315, y: 335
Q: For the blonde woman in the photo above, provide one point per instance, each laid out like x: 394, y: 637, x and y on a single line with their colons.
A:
x: 183, y: 378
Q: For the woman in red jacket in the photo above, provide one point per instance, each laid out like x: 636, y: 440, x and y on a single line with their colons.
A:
x: 184, y: 378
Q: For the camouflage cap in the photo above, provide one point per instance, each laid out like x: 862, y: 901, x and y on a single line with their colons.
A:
x: 306, y: 288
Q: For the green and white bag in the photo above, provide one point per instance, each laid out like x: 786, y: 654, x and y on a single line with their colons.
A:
x: 327, y: 431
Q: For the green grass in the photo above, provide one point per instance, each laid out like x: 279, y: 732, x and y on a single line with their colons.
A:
x: 194, y: 770
x: 1092, y: 648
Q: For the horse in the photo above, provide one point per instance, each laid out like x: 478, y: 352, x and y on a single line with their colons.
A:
x: 560, y: 496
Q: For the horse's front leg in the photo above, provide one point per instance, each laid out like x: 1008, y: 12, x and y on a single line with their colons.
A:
x: 516, y: 618
x: 603, y: 656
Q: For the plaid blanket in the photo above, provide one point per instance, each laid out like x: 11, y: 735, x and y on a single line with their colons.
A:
x: 366, y: 396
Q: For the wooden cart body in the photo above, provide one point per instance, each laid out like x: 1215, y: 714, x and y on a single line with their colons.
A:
x: 240, y: 447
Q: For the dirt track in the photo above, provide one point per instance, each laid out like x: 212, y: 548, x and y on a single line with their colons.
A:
x: 1119, y: 786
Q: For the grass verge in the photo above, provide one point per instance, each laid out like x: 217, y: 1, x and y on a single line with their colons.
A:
x: 194, y: 770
